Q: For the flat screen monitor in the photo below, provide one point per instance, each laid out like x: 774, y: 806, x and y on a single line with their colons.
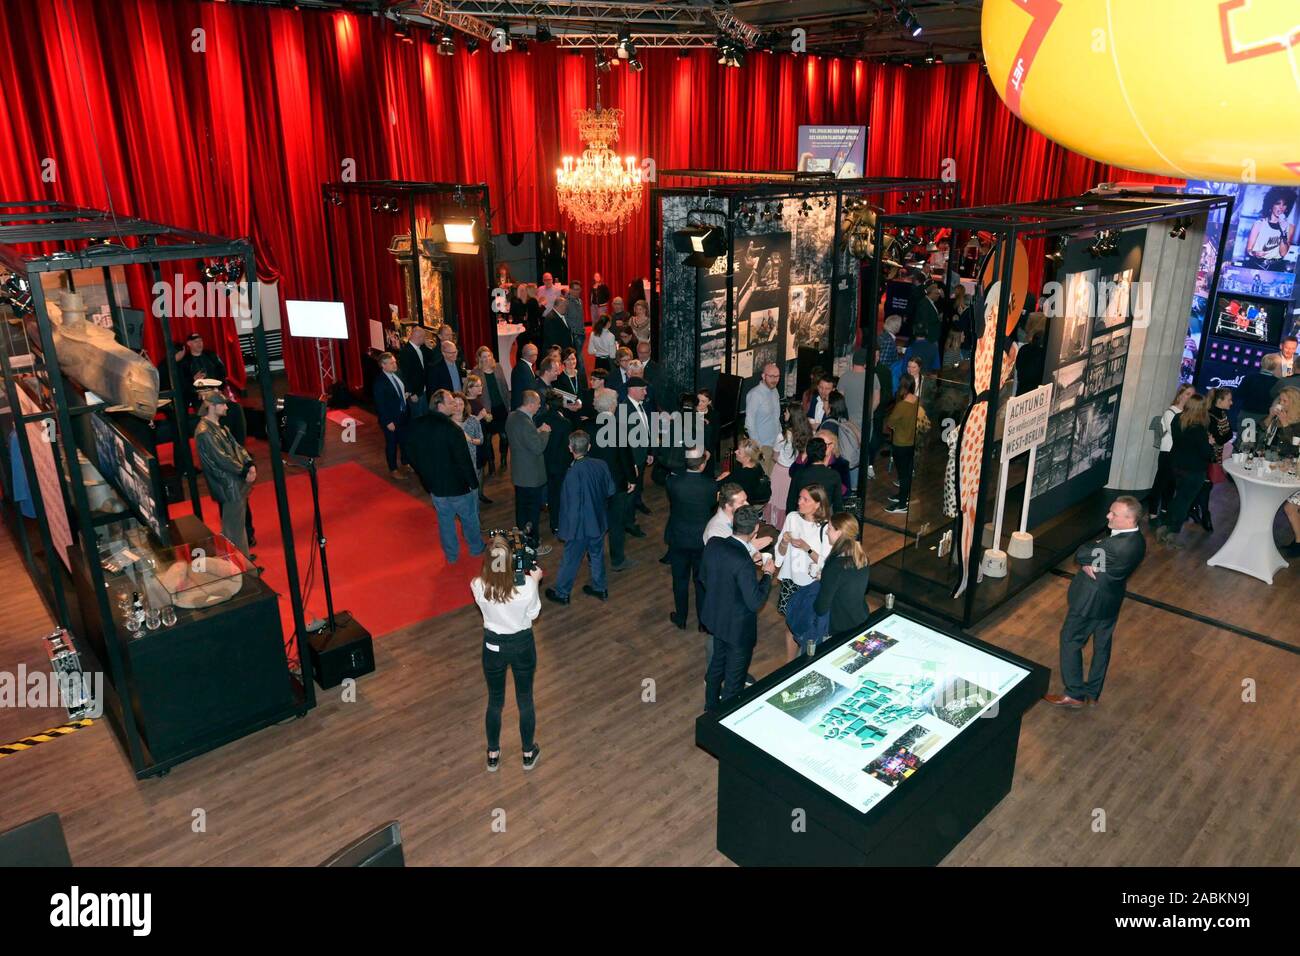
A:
x: 1247, y: 319
x: 316, y: 320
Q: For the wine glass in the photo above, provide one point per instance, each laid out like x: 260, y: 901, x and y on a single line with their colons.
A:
x: 168, y: 616
x: 133, y: 624
x: 153, y: 618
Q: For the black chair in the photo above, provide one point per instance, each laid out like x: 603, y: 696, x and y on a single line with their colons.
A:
x: 38, y: 842
x: 382, y: 847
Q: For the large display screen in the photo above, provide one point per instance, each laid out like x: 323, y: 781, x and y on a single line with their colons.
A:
x: 861, y: 719
x: 1257, y: 321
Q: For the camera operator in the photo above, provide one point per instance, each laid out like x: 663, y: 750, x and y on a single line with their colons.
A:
x: 509, y: 610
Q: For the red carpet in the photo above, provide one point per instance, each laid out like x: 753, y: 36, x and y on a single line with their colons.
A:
x: 386, y: 565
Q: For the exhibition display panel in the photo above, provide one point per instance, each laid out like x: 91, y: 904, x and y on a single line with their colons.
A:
x: 1080, y: 260
x: 759, y: 267
x: 885, y: 749
x: 185, y: 631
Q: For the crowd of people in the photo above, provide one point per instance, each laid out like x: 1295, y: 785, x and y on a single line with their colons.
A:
x: 1196, y: 430
x: 729, y: 532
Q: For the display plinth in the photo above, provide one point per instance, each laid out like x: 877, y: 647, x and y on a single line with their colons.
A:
x: 859, y: 758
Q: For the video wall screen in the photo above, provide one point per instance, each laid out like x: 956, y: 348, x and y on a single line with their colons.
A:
x: 1257, y: 321
x: 859, y: 721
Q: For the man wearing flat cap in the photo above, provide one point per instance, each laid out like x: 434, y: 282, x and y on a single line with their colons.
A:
x: 228, y: 467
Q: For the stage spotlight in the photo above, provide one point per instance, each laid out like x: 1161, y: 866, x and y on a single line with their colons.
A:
x: 1057, y: 255
x: 702, y: 244
x: 544, y: 34
x: 635, y: 64
x: 213, y: 271
x: 234, y: 269
x: 1179, y: 230
x: 446, y: 45
x: 602, y: 61
x: 907, y: 20
x: 626, y: 49
x: 1105, y: 244
x: 376, y: 204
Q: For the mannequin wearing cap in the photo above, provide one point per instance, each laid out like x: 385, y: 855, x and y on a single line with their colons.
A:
x: 228, y: 467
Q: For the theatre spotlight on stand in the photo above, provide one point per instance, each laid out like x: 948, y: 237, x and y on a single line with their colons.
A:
x: 340, y: 646
x: 702, y: 244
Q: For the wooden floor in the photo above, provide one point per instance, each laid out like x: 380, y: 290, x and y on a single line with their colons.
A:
x: 1185, y: 771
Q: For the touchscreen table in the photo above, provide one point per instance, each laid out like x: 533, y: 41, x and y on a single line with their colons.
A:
x: 862, y: 719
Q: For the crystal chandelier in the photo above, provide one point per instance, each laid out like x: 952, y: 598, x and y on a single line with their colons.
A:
x: 598, y: 190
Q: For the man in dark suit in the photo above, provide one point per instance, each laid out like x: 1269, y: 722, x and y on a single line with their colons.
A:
x: 393, y: 409
x: 447, y: 372
x: 1095, y: 596
x: 621, y: 374
x: 608, y: 447
x: 528, y: 466
x: 523, y: 378
x: 925, y: 319
x: 816, y: 472
x: 638, y: 410
x: 555, y: 328
x: 557, y: 456
x: 588, y: 485
x: 414, y: 364
x: 733, y: 595
x: 691, y: 499
x: 650, y: 369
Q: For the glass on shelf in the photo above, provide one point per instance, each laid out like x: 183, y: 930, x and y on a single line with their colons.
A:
x: 202, y: 574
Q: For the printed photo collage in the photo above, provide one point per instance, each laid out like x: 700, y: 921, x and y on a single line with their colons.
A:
x: 1089, y: 370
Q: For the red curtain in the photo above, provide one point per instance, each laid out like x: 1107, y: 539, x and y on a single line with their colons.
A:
x: 234, y: 129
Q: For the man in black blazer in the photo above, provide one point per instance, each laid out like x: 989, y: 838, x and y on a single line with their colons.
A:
x: 523, y: 378
x: 816, y: 472
x: 393, y: 409
x: 733, y: 595
x: 415, y: 363
x: 555, y: 329
x: 639, y: 410
x: 691, y: 500
x: 447, y: 372
x: 1095, y: 596
x: 607, y: 447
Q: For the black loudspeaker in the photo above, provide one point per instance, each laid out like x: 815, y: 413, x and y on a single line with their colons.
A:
x: 345, y: 652
x: 302, y: 426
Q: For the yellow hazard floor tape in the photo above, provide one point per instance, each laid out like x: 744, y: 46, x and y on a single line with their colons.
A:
x: 54, y: 733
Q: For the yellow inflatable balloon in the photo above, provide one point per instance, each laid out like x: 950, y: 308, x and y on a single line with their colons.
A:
x: 1199, y: 89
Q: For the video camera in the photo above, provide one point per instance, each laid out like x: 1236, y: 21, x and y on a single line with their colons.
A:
x: 523, y: 556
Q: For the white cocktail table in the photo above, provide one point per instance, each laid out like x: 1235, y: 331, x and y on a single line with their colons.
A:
x: 1250, y: 548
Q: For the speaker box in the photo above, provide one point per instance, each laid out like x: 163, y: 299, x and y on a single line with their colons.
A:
x: 302, y: 426
x: 345, y: 652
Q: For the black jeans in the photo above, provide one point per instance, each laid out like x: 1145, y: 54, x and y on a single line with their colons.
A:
x: 617, y: 510
x: 1162, y: 489
x: 516, y: 652
x: 554, y: 488
x: 528, y: 511
x: 1187, y: 485
x: 904, y: 456
x: 686, y: 568
x: 725, y: 677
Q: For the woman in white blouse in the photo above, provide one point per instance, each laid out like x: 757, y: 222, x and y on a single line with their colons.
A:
x: 802, y: 549
x: 602, y: 344
x: 508, y: 614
